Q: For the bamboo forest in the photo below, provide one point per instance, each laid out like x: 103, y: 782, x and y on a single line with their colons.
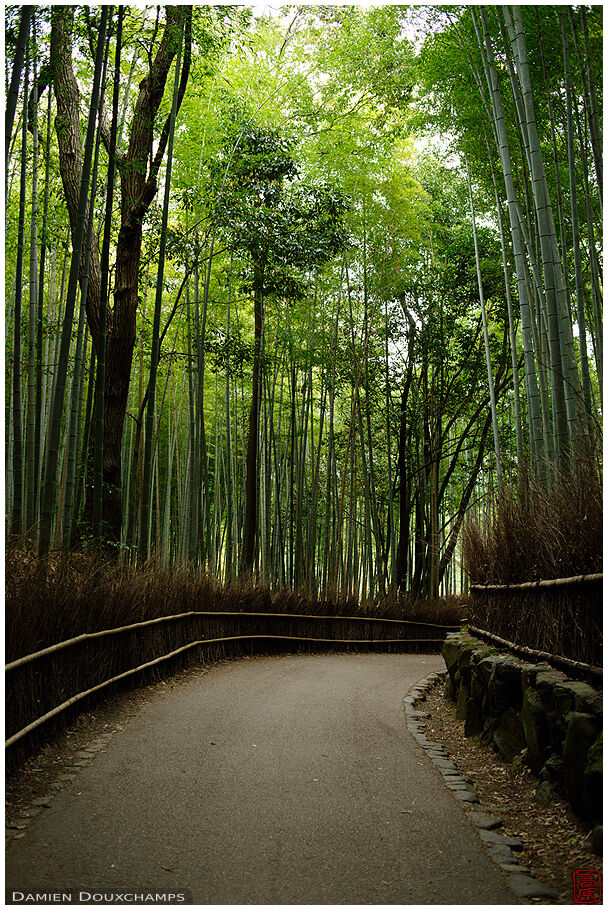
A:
x: 306, y: 295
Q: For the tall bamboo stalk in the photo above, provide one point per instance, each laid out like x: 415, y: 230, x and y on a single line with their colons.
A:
x: 562, y: 392
x: 576, y: 245
x: 486, y: 337
x: 12, y: 94
x: 17, y: 517
x: 534, y: 411
x: 40, y: 313
x: 146, y: 511
x: 30, y: 460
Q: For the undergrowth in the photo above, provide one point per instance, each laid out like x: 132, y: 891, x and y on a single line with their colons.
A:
x: 536, y: 533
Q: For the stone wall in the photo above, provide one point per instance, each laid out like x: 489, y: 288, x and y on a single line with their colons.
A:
x: 531, y: 713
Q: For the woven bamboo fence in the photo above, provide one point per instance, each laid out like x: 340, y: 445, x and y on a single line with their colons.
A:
x: 49, y: 684
x: 559, y: 616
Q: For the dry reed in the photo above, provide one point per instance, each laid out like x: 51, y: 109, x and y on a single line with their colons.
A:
x: 535, y: 534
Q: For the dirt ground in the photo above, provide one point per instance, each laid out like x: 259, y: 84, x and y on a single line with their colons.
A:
x: 555, y: 841
x: 37, y: 774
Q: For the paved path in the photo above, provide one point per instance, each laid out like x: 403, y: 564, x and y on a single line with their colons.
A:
x: 270, y: 780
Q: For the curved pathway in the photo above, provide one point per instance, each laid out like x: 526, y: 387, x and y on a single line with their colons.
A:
x: 278, y: 780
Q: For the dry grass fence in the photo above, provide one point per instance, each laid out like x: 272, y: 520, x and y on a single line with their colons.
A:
x: 80, y: 596
x: 563, y: 621
x: 533, y: 535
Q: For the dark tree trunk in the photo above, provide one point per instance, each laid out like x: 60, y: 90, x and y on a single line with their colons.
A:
x: 67, y: 125
x: 251, y: 483
x: 77, y: 267
x: 138, y: 189
x: 405, y: 486
x: 420, y: 548
x: 119, y: 357
x: 100, y: 381
x: 12, y: 95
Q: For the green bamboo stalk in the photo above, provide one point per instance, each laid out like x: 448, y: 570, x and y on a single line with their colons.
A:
x: 589, y: 94
x: 30, y: 437
x: 12, y: 94
x: 594, y: 267
x: 538, y: 449
x: 17, y: 517
x: 229, y: 480
x: 146, y: 511
x: 486, y: 337
x: 547, y: 236
x: 576, y: 245
x: 512, y: 334
x: 40, y: 313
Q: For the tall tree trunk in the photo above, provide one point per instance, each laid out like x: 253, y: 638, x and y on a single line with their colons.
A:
x: 48, y: 498
x: 12, y: 94
x: 251, y: 481
x: 17, y: 518
x: 98, y: 448
x: 138, y: 189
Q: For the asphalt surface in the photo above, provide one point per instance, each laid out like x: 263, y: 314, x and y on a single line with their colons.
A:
x: 279, y: 780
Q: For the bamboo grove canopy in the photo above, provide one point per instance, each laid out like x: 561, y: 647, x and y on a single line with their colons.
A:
x: 293, y: 292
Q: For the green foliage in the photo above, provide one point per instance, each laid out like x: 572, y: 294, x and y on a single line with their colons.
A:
x: 283, y: 226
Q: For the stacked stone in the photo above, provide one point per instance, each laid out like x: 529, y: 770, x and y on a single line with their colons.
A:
x: 504, y: 850
x: 534, y: 714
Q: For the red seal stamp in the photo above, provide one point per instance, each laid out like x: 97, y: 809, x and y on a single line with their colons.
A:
x: 587, y: 885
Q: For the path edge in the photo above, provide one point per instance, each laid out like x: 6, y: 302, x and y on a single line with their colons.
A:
x: 501, y: 848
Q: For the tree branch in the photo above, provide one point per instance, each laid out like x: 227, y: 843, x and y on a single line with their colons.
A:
x: 138, y: 187
x: 151, y: 185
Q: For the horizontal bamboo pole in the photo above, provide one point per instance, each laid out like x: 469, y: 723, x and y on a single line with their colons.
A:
x: 555, y: 659
x: 549, y: 583
x: 86, y: 636
x: 205, y: 641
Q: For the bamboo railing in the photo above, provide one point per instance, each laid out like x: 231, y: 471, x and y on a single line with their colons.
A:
x: 518, y: 618
x: 549, y: 583
x: 86, y: 636
x: 29, y: 658
x: 578, y: 666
